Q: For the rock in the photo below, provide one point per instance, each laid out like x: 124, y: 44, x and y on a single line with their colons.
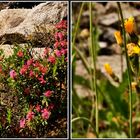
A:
x: 112, y: 7
x: 98, y: 6
x: 8, y: 50
x: 20, y: 23
x: 108, y: 19
x: 112, y: 17
x: 108, y: 35
x: 11, y: 18
x: 102, y: 44
x: 131, y: 12
x: 116, y: 48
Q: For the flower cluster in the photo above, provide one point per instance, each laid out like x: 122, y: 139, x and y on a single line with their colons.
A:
x: 133, y: 48
x: 61, y: 39
x: 43, y: 113
x: 38, y: 81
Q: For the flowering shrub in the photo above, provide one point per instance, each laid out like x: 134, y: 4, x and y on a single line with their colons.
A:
x: 39, y: 83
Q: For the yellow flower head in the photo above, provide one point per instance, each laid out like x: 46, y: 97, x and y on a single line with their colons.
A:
x: 132, y: 49
x: 118, y: 37
x: 129, y: 25
x: 108, y: 69
x: 133, y: 85
x: 136, y: 50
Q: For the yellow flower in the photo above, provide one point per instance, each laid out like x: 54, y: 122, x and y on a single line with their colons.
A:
x: 136, y: 50
x: 133, y: 85
x: 108, y: 69
x: 132, y: 49
x: 129, y: 25
x: 118, y: 37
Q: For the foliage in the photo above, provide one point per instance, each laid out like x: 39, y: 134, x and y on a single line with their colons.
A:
x: 38, y: 81
x: 115, y: 95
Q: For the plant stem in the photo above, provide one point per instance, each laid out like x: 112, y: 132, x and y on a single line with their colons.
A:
x: 128, y: 72
x: 121, y: 63
x: 77, y: 24
x: 84, y: 61
x: 93, y: 80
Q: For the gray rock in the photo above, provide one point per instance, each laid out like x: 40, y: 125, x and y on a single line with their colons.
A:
x: 8, y: 50
x: 112, y: 18
x: 17, y: 24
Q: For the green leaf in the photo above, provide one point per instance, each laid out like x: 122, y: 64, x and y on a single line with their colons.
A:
x: 113, y: 97
x: 54, y: 70
x: 9, y: 115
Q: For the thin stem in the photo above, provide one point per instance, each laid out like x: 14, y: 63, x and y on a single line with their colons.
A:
x: 77, y: 24
x: 121, y: 63
x: 128, y: 72
x: 84, y: 61
x: 93, y: 80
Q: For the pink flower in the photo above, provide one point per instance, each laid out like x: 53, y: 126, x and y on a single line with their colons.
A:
x: 48, y: 93
x: 13, y: 74
x: 51, y: 59
x: 46, y: 51
x: 36, y: 64
x: 43, y: 69
x: 20, y: 54
x: 23, y: 70
x: 61, y: 25
x: 31, y: 74
x: 63, y: 43
x: 56, y: 44
x: 45, y: 114
x: 50, y: 107
x: 38, y: 108
x: 41, y: 79
x: 22, y: 123
x: 29, y: 62
x: 58, y: 53
x: 30, y: 115
x: 60, y: 36
x: 64, y: 51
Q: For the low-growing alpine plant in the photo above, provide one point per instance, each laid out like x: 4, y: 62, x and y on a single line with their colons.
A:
x: 39, y: 83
